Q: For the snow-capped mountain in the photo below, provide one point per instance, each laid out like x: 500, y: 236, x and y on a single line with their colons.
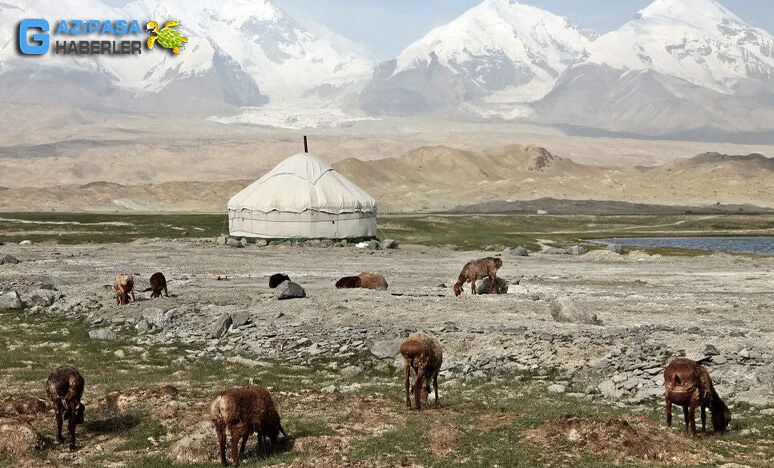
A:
x: 699, y: 41
x: 679, y: 65
x: 237, y: 54
x: 500, y: 50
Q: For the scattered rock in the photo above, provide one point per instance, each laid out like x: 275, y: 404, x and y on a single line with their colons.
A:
x: 555, y: 251
x: 565, y: 310
x: 488, y: 248
x: 231, y: 242
x: 289, y: 290
x: 143, y: 326
x: 240, y: 317
x: 239, y: 360
x: 243, y: 242
x: 711, y: 350
x: 25, y: 242
x: 43, y: 297
x: 373, y: 245
x: 102, y: 334
x: 8, y: 260
x: 261, y: 243
x: 331, y: 389
x: 119, y: 353
x: 222, y: 240
x: 221, y: 326
x: 384, y: 349
x: 11, y: 301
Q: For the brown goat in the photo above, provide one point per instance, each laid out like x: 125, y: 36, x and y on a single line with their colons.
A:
x: 689, y: 385
x: 123, y: 287
x: 348, y: 282
x: 372, y: 281
x: 423, y: 354
x: 65, y: 389
x: 243, y: 411
x: 158, y: 283
x: 478, y: 269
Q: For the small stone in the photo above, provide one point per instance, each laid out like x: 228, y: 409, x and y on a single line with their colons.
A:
x: 9, y: 260
x: 488, y: 248
x: 557, y: 388
x: 483, y: 286
x: 11, y: 301
x: 711, y: 350
x: 384, y: 349
x: 102, y: 334
x: 315, y: 349
x: 119, y: 353
x: 221, y: 326
x: 616, y: 248
x: 331, y: 389
x: 243, y: 241
x: 289, y: 290
x: 231, y: 242
x: 142, y: 326
x: 25, y: 242
x: 240, y: 317
x: 261, y: 243
x: 519, y: 251
x: 222, y: 240
x: 576, y: 250
x: 388, y: 244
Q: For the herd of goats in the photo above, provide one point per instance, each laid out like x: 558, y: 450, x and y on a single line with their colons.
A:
x: 243, y: 411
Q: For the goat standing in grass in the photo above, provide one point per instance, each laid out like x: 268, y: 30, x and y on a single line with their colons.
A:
x: 475, y: 270
x: 689, y: 385
x: 423, y: 354
x: 65, y: 390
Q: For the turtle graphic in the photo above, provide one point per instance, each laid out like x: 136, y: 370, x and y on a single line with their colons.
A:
x: 168, y: 38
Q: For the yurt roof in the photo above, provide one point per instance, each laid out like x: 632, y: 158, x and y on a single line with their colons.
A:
x: 303, y: 182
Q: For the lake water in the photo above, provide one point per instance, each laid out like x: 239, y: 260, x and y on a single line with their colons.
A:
x: 753, y: 245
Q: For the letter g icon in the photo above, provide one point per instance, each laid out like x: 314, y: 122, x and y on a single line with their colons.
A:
x: 33, y: 49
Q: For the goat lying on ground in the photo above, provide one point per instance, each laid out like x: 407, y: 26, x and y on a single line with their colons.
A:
x: 242, y: 411
x: 123, y: 287
x: 65, y: 389
x: 372, y: 281
x: 689, y: 385
x: 423, y: 354
x: 348, y: 282
x: 158, y: 283
x: 277, y: 279
x: 475, y: 270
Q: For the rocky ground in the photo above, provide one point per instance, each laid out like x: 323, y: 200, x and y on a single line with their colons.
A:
x: 597, y: 327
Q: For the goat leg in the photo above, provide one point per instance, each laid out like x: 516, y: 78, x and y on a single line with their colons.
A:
x: 237, y: 431
x: 473, y: 287
x: 407, y: 368
x: 435, y: 389
x: 71, y: 421
x: 685, y: 416
x: 244, y: 442
x: 221, y: 443
x: 703, y: 418
x: 418, y: 387
x: 493, y: 283
x: 59, y: 422
x: 692, y: 416
x: 668, y: 409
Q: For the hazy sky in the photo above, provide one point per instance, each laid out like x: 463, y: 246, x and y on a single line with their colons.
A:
x: 387, y: 26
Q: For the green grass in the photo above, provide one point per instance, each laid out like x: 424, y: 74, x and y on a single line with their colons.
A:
x: 466, y: 232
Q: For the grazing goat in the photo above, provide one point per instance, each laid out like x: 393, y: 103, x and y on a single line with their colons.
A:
x: 277, y: 279
x: 478, y: 269
x: 65, y: 389
x: 158, y: 283
x: 243, y: 411
x: 689, y: 385
x: 372, y: 281
x: 123, y: 287
x: 348, y: 282
x: 423, y: 354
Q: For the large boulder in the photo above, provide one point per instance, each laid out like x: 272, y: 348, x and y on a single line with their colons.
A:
x: 615, y: 248
x: 519, y: 251
x: 565, y: 310
x: 11, y: 301
x: 483, y: 286
x: 43, y: 297
x: 18, y: 437
x: 384, y: 349
x: 289, y: 290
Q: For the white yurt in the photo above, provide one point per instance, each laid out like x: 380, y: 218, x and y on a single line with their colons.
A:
x: 302, y: 198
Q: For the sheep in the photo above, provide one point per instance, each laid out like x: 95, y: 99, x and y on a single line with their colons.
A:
x: 423, y: 354
x: 277, y: 279
x: 65, y: 389
x: 242, y: 411
x: 689, y: 385
x: 123, y: 287
x: 372, y: 281
x: 478, y: 269
x: 348, y: 282
x: 158, y: 283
